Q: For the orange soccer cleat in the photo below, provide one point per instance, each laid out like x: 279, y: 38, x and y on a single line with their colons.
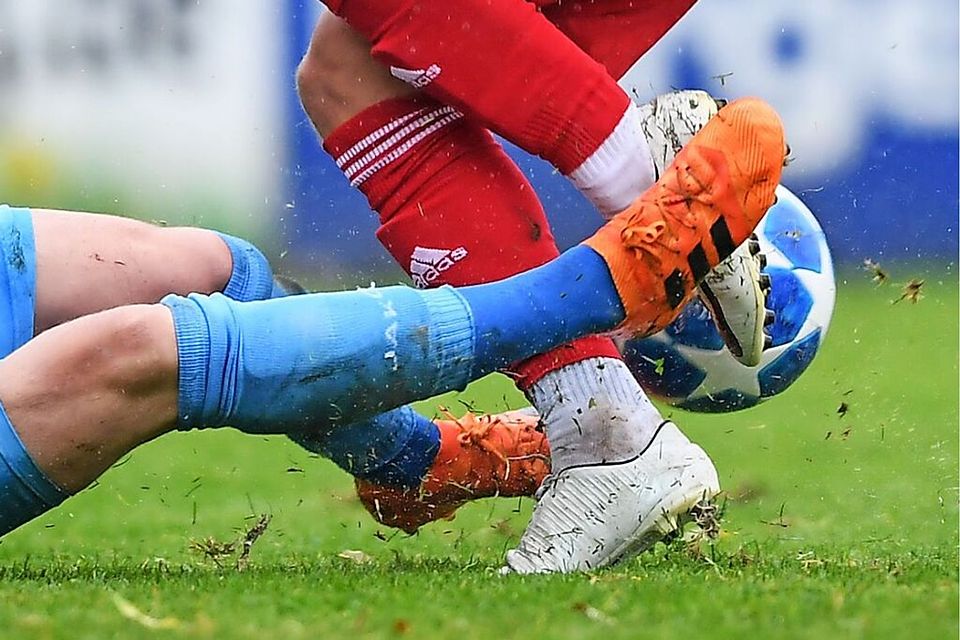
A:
x: 701, y: 209
x: 479, y: 457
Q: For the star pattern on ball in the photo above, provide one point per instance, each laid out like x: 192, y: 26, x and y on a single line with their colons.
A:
x: 723, y: 373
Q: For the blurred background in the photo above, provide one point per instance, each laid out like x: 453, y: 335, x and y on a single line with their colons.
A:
x: 184, y: 111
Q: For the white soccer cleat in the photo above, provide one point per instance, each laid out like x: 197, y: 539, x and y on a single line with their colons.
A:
x: 670, y: 120
x: 733, y: 290
x: 592, y: 516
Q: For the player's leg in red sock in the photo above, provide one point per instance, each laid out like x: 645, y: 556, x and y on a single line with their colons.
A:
x: 385, y: 118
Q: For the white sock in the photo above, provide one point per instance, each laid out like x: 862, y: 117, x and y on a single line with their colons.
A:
x: 620, y: 169
x: 594, y: 411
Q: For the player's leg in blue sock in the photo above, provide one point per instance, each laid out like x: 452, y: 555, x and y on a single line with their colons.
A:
x: 270, y: 366
x: 392, y: 445
x: 249, y: 277
x: 396, y: 447
x: 389, y: 449
x: 86, y: 262
x: 569, y: 297
x: 334, y: 359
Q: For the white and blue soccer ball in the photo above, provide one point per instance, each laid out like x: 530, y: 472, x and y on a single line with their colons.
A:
x: 687, y: 363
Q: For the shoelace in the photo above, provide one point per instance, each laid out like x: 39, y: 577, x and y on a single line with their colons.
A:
x: 637, y: 233
x: 641, y: 237
x: 635, y: 236
x: 474, y: 430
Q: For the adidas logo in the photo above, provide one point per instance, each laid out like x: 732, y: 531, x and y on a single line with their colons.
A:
x: 418, y: 78
x: 426, y: 265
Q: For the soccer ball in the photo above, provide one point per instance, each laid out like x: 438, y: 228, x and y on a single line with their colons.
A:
x: 687, y: 363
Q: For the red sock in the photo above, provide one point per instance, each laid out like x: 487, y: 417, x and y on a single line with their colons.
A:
x: 455, y: 209
x: 502, y: 63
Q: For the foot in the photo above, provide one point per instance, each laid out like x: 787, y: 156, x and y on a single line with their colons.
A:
x: 593, y: 515
x: 480, y: 457
x: 706, y: 204
x: 731, y: 291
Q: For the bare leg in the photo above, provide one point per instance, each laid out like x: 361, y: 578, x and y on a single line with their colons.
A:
x: 89, y: 262
x: 338, y: 77
x: 79, y: 395
x: 83, y: 394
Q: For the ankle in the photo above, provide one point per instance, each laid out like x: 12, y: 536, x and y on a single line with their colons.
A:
x: 620, y: 169
x: 594, y: 411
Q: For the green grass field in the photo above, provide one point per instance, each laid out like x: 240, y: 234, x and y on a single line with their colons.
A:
x: 835, y: 526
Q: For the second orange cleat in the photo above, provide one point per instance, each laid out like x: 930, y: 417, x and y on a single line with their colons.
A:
x: 480, y: 457
x: 700, y: 210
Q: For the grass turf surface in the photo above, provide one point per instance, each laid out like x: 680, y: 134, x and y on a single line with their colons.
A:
x: 836, y: 526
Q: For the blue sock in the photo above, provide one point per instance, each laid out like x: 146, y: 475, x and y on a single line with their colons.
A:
x: 25, y: 492
x: 396, y: 448
x: 316, y: 360
x: 390, y: 449
x: 251, y: 278
x: 568, y: 297
x: 308, y: 362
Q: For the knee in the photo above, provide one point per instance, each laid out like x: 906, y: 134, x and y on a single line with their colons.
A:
x: 122, y: 353
x: 324, y: 74
x: 135, y: 348
x: 192, y: 259
x: 338, y: 77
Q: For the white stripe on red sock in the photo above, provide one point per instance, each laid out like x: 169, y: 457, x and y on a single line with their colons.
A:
x: 405, y: 147
x: 392, y: 141
x: 375, y: 136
